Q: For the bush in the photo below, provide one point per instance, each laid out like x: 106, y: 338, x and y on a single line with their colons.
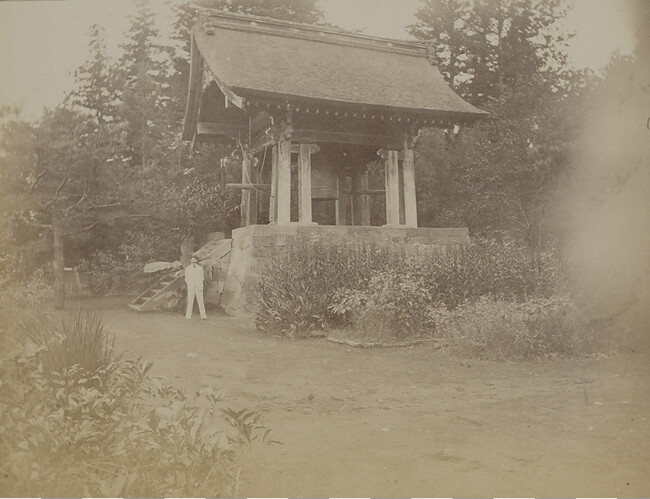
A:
x: 156, y: 242
x: 319, y: 286
x: 31, y: 292
x: 487, y: 267
x: 109, y: 274
x: 120, y: 271
x: 394, y: 305
x: 537, y: 328
x: 11, y: 267
x: 113, y: 431
x: 298, y: 287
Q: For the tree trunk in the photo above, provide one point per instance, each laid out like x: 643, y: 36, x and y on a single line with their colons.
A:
x: 57, y: 264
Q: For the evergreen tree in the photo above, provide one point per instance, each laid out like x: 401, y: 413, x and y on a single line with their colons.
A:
x: 499, y: 178
x: 145, y: 106
x: 481, y: 46
x: 95, y: 88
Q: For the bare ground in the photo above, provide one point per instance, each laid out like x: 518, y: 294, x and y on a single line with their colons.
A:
x: 411, y: 421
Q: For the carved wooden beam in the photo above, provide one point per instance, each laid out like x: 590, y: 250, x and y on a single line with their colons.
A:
x: 329, y: 136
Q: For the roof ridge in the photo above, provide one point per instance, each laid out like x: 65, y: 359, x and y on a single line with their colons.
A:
x: 326, y: 34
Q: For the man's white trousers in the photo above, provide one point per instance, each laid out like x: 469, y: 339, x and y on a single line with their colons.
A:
x: 191, y: 293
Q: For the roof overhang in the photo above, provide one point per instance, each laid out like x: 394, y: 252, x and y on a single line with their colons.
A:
x: 263, y: 63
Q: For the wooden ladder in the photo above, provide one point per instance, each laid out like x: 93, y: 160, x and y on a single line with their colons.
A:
x: 165, y: 283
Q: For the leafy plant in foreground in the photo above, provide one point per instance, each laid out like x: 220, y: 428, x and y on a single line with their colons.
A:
x: 106, y: 428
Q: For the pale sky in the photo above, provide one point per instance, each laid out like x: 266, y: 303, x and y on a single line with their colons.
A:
x: 43, y: 42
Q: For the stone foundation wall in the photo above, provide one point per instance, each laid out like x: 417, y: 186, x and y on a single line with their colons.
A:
x: 255, y: 245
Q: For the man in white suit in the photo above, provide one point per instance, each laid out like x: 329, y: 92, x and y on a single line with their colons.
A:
x: 194, y: 281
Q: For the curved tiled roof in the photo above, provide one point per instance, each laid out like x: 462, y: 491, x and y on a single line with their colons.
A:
x: 256, y: 56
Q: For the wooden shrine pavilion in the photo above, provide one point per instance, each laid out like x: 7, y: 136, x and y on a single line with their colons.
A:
x: 301, y: 89
x: 309, y: 108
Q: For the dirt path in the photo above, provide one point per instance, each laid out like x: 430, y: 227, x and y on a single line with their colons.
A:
x: 409, y: 422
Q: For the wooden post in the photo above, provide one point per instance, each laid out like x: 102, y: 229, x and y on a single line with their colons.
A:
x: 245, y: 193
x: 410, y: 201
x: 304, y: 181
x: 364, y: 199
x: 392, y: 188
x: 284, y: 177
x: 58, y: 260
x: 273, y: 203
x: 360, y: 202
x: 254, y: 202
x: 341, y: 201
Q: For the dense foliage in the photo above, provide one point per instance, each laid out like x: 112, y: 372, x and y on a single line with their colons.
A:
x: 383, y: 297
x: 75, y: 421
x: 300, y: 284
x: 106, y: 172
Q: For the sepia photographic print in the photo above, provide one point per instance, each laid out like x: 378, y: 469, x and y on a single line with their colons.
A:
x: 325, y: 248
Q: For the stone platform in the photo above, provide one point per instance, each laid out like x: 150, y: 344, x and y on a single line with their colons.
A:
x: 254, y: 246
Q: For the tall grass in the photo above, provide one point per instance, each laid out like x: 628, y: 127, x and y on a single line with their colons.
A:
x: 77, y: 340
